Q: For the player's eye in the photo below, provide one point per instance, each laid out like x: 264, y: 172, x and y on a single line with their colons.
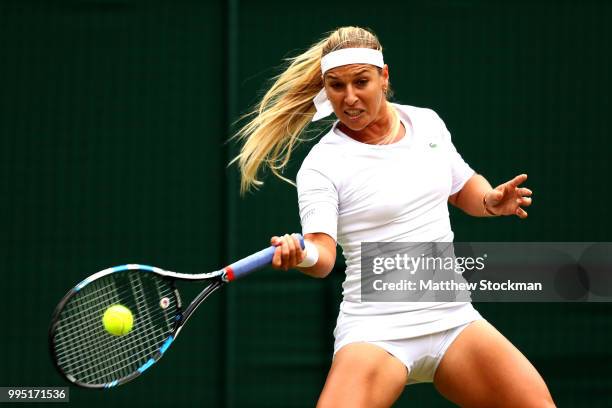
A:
x: 336, y: 85
x: 362, y: 82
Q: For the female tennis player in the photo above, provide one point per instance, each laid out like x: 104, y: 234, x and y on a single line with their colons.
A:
x: 384, y: 172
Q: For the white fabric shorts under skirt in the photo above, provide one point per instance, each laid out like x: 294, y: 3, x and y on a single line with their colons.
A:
x: 421, y: 354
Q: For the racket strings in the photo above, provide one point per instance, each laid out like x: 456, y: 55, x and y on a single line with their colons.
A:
x: 151, y: 342
x: 149, y: 329
x: 87, y: 352
x: 104, y: 352
x: 76, y: 320
x: 86, y: 335
x: 94, y: 305
x: 129, y: 348
x: 94, y: 299
x: 130, y: 351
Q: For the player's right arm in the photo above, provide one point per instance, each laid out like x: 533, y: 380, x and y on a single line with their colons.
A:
x: 289, y: 254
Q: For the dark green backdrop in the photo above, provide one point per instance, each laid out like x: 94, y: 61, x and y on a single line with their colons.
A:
x: 113, y: 122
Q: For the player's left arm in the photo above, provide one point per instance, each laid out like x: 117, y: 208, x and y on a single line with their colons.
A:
x: 479, y: 199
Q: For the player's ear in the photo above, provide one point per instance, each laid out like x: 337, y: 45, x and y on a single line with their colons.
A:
x: 385, y: 75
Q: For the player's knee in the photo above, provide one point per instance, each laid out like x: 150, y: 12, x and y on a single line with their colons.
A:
x: 326, y: 401
x: 540, y: 401
x: 547, y: 402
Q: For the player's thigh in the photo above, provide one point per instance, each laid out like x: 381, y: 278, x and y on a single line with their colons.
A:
x: 363, y: 375
x: 482, y: 368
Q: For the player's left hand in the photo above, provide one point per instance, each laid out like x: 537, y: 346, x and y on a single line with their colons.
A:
x: 509, y: 198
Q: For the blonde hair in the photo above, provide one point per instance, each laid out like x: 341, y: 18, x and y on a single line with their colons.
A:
x: 286, y: 109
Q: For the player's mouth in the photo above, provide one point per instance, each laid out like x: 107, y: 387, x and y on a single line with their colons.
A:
x: 353, y: 114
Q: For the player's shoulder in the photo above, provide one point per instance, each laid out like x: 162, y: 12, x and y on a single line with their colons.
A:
x: 418, y: 113
x: 426, y: 120
x: 327, y: 151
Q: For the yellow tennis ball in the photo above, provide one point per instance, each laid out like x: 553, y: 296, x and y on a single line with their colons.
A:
x: 118, y: 320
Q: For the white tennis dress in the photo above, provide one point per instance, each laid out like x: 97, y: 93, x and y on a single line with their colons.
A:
x: 399, y: 192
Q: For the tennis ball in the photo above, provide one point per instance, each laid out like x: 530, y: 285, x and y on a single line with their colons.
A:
x: 118, y: 320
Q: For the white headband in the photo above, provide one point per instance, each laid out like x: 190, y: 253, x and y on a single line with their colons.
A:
x: 349, y: 56
x: 339, y: 58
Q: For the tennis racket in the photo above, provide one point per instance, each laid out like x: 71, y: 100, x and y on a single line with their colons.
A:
x: 88, y: 355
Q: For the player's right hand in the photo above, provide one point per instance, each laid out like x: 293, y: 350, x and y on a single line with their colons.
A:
x: 288, y: 253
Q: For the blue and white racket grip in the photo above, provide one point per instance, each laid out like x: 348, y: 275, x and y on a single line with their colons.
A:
x: 254, y: 262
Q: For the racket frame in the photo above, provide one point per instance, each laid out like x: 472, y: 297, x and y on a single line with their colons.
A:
x: 217, y: 279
